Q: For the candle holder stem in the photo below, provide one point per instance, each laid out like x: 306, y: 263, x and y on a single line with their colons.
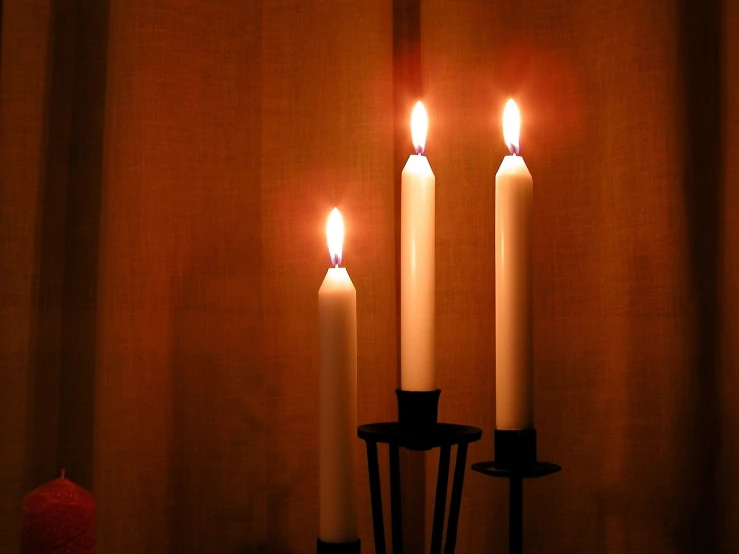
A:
x: 395, y: 502
x: 515, y: 515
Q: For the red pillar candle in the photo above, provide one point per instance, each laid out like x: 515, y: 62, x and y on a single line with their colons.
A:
x: 58, y: 517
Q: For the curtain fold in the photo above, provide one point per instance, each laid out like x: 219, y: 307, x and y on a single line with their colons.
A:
x: 624, y: 130
x: 326, y: 141
x: 729, y: 270
x: 28, y: 397
x: 166, y: 169
x: 457, y: 45
x: 231, y: 131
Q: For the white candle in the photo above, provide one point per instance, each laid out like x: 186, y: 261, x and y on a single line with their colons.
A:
x: 337, y: 313
x: 417, y: 279
x: 514, y: 192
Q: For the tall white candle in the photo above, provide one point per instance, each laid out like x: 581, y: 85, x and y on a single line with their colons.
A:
x: 417, y: 279
x: 337, y: 312
x: 514, y: 192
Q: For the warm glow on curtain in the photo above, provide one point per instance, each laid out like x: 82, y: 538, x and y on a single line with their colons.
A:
x: 165, y: 173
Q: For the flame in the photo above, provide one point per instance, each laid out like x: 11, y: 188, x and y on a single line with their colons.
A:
x: 335, y: 236
x: 511, y: 126
x: 419, y: 127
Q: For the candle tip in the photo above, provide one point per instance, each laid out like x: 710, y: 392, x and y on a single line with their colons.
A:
x: 64, y: 472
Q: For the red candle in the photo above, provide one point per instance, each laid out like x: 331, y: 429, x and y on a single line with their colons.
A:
x: 59, y: 516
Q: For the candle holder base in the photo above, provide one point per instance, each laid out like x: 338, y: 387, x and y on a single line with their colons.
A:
x: 531, y: 471
x: 425, y: 437
x: 515, y: 460
x: 354, y: 547
x: 418, y: 409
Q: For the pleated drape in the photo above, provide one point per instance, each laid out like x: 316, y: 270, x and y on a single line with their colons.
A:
x: 627, y: 129
x: 728, y: 272
x: 22, y: 139
x: 166, y: 169
x: 232, y: 130
x: 52, y: 97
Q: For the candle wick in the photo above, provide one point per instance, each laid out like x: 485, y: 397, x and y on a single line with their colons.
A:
x: 64, y: 471
x: 419, y: 150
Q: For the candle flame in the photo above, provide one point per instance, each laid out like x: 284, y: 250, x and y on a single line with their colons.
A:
x: 511, y: 126
x: 419, y: 127
x: 335, y: 236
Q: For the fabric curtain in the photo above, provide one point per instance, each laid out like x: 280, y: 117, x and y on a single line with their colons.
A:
x: 166, y: 169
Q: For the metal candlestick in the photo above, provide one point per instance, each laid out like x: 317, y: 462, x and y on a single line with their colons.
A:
x: 515, y: 460
x: 417, y: 429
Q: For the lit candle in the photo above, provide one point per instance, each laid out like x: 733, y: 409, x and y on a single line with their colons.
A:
x: 514, y: 192
x: 337, y: 312
x: 417, y: 280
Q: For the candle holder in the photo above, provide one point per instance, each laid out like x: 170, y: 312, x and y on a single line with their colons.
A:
x: 515, y: 460
x: 417, y: 432
x: 354, y: 547
x: 418, y: 408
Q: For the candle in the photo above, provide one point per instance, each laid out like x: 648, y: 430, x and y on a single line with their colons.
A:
x: 58, y: 516
x: 417, y: 279
x: 337, y: 311
x: 514, y: 192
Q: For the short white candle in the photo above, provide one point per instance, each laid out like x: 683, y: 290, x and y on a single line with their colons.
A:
x: 337, y: 312
x: 417, y: 278
x: 514, y: 192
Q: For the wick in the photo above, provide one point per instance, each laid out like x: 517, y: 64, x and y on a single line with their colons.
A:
x: 64, y: 471
x: 419, y: 150
x: 336, y: 266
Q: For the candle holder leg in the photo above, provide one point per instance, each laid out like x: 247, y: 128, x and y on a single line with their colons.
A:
x: 442, y: 478
x: 395, y: 505
x: 456, y: 502
x: 376, y: 497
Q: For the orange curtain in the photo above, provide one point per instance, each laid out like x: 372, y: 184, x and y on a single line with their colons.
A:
x: 165, y: 173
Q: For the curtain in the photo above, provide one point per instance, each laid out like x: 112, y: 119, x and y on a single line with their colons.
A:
x: 166, y: 169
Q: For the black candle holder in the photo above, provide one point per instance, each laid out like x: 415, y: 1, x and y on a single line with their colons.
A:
x: 418, y: 408
x: 417, y: 429
x: 515, y: 460
x: 354, y: 547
